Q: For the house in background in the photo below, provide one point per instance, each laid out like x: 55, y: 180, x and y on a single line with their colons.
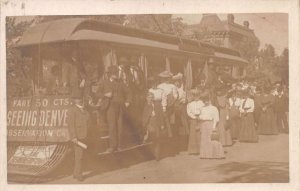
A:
x: 228, y: 34
x: 225, y: 33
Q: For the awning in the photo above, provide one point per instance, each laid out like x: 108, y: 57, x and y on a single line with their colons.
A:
x: 116, y: 38
x: 229, y: 58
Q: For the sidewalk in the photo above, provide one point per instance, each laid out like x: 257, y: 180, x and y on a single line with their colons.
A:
x: 263, y: 162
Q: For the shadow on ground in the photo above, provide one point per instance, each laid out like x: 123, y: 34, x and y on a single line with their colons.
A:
x: 252, y: 172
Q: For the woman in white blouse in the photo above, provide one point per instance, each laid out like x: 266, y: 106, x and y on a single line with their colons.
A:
x: 209, y: 117
x: 248, y: 131
x: 193, y: 111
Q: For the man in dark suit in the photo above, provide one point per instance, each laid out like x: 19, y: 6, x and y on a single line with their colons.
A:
x: 73, y: 74
x: 114, y: 91
x: 78, y: 133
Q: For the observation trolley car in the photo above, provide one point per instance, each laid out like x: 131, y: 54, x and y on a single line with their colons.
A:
x: 37, y: 124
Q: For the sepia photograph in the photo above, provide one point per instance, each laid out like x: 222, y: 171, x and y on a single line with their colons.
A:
x: 148, y: 98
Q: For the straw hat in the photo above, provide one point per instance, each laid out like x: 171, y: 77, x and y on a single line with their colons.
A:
x: 178, y: 76
x: 165, y: 74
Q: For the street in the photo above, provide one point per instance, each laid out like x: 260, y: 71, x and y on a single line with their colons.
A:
x: 263, y: 162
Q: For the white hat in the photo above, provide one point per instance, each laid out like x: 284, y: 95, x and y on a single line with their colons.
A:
x: 165, y: 74
x: 178, y: 76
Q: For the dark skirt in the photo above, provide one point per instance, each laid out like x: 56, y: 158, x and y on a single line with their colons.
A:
x: 267, y: 123
x: 181, y: 120
x: 235, y: 125
x: 248, y: 131
x: 225, y: 135
x: 193, y: 143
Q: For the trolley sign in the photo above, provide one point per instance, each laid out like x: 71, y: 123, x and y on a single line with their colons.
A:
x: 42, y: 119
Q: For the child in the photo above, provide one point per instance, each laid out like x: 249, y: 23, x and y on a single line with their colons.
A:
x: 153, y: 123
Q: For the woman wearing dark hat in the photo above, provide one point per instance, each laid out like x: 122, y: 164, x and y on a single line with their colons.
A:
x: 267, y: 122
x: 248, y: 131
x: 193, y: 111
x: 209, y: 117
x: 223, y: 126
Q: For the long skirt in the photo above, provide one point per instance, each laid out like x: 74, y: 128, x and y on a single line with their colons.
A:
x: 181, y: 120
x: 282, y: 123
x: 267, y: 123
x: 225, y: 134
x: 193, y: 143
x: 248, y: 131
x: 209, y: 149
x: 235, y: 125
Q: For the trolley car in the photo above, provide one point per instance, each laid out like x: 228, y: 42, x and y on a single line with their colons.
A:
x: 37, y: 125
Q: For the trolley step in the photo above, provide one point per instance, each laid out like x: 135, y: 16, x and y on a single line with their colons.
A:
x: 125, y: 149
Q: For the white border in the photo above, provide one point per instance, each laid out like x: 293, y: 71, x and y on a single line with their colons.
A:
x: 89, y: 7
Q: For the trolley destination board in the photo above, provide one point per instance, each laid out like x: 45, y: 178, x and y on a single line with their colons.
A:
x: 39, y: 119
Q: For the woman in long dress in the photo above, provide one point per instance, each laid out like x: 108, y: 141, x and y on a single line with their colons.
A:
x: 223, y: 125
x: 248, y: 131
x: 257, y: 104
x: 280, y: 108
x: 267, y: 123
x: 193, y: 112
x: 209, y: 117
x: 234, y: 115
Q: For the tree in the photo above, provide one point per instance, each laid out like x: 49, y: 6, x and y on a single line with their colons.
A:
x: 17, y: 81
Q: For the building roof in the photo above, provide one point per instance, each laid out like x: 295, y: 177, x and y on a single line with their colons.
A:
x: 212, y: 23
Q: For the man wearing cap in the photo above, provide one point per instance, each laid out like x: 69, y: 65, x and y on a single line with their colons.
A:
x: 118, y: 96
x: 78, y: 132
x: 170, y: 95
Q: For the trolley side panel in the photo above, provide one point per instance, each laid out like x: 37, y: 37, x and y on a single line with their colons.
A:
x: 39, y: 119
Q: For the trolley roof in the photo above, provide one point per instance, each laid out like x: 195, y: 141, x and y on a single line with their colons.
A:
x: 76, y: 29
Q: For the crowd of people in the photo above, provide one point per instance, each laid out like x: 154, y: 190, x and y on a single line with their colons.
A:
x: 215, y: 115
x: 212, y: 115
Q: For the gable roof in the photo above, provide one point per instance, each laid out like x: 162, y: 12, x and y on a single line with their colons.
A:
x: 212, y: 23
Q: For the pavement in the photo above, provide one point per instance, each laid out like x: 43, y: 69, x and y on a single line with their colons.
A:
x: 263, y: 162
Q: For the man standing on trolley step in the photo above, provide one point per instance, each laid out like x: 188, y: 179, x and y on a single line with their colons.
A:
x: 73, y: 74
x: 118, y: 97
